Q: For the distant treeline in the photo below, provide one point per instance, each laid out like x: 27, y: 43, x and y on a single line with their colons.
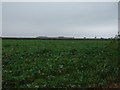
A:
x: 7, y: 38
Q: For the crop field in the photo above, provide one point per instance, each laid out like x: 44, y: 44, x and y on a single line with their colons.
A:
x: 59, y: 63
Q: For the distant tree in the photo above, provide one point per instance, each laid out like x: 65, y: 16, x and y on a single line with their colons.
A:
x: 116, y: 36
x: 101, y: 38
x: 119, y: 35
x: 95, y: 37
x: 84, y: 37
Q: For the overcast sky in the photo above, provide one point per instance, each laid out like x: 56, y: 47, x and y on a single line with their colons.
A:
x: 77, y: 19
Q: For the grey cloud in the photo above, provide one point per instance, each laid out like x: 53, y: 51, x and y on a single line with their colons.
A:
x: 67, y: 19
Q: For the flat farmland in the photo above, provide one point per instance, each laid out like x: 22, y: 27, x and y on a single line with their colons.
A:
x: 59, y: 63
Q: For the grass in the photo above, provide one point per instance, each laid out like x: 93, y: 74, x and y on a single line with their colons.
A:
x: 59, y: 63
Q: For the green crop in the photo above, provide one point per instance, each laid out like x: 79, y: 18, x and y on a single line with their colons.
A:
x: 59, y: 63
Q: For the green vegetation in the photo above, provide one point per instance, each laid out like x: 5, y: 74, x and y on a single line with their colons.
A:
x: 59, y: 63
